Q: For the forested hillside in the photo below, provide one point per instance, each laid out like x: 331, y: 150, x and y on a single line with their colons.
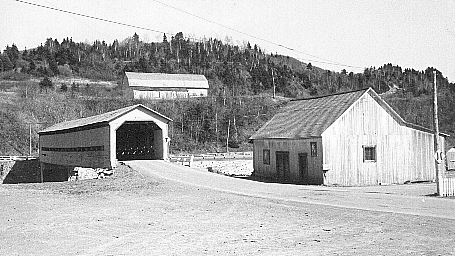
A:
x: 241, y: 79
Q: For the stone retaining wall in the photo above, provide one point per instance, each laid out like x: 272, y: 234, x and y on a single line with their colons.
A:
x: 5, y: 168
x: 23, y: 171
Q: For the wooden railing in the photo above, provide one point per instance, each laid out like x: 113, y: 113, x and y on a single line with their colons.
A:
x: 447, y: 184
x: 183, y: 159
x: 16, y: 158
x: 188, y: 159
x: 229, y: 155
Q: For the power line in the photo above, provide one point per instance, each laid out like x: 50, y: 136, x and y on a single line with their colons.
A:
x: 255, y: 37
x: 325, y: 61
x: 88, y: 16
x: 100, y: 19
x: 85, y: 24
x: 317, y: 61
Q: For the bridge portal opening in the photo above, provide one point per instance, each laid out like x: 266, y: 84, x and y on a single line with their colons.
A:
x: 139, y: 141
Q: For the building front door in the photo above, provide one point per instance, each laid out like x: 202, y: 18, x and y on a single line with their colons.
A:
x: 303, y: 168
x: 282, y: 165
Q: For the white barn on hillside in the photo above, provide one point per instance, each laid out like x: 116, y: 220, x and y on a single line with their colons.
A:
x: 166, y: 86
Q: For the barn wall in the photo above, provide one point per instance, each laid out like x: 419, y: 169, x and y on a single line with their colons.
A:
x: 402, y: 153
x: 294, y: 147
x: 169, y: 94
x: 140, y: 115
x: 159, y: 94
x: 197, y: 92
x: 164, y: 89
x: 167, y: 83
x: 77, y: 148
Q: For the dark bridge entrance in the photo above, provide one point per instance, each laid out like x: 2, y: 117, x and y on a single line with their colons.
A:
x: 139, y: 141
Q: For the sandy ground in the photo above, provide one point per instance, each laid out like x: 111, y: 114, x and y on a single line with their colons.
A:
x: 129, y: 214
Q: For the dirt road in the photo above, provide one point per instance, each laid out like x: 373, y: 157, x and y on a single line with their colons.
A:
x: 132, y: 214
x: 392, y: 199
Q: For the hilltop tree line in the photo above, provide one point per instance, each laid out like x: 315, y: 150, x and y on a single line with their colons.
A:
x: 231, y: 69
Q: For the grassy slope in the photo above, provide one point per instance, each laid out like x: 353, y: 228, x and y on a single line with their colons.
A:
x: 54, y: 106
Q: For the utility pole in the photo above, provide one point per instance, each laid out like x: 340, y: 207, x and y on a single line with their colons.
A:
x: 436, y: 130
x: 227, y: 137
x: 216, y: 127
x: 273, y: 82
x: 30, y: 147
x: 30, y: 135
x: 30, y: 140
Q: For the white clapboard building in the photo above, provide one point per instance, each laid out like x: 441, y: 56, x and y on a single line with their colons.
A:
x: 348, y: 139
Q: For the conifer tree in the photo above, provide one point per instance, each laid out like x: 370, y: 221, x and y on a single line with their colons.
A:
x: 46, y: 83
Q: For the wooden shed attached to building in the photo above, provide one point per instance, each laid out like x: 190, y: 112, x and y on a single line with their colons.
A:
x: 349, y: 139
x: 134, y: 132
x: 166, y: 86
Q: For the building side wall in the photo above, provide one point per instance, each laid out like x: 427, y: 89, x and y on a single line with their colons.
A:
x: 294, y: 147
x: 168, y: 83
x: 159, y: 94
x: 197, y: 92
x: 169, y: 94
x: 76, y: 148
x: 402, y: 153
x: 159, y: 145
x: 450, y: 158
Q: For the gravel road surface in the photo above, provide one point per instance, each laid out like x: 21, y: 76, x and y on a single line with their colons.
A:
x: 392, y: 199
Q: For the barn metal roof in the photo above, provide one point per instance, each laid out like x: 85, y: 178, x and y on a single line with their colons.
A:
x: 309, y: 118
x: 167, y: 80
x: 96, y: 120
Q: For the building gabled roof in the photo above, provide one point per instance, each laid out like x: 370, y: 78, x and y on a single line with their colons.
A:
x: 397, y: 117
x: 309, y: 118
x: 161, y: 80
x: 104, y: 118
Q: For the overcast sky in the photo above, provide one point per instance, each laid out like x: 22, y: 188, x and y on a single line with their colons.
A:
x: 353, y: 34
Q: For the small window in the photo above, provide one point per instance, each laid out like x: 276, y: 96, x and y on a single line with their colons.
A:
x: 266, y: 156
x: 314, y: 149
x: 369, y: 153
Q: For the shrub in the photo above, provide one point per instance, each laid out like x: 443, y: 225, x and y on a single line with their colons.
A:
x: 46, y: 83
